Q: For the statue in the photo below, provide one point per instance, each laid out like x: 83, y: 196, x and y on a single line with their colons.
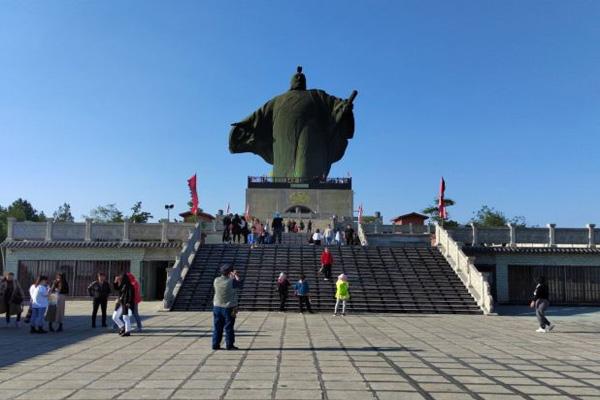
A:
x: 300, y: 132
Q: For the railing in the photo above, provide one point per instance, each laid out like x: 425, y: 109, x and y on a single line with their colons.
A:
x: 291, y: 182
x: 361, y: 235
x: 408, y: 229
x: 181, y: 267
x: 464, y: 267
x: 89, y: 231
x: 517, y: 236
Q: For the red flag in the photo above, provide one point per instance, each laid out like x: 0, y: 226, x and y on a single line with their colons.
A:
x: 194, y: 193
x: 360, y: 213
x: 441, y: 202
x: 247, y: 213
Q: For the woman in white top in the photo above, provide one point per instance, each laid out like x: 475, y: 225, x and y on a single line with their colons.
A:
x: 317, y: 237
x: 39, y: 303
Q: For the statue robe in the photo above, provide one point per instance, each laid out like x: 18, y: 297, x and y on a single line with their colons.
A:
x: 300, y: 132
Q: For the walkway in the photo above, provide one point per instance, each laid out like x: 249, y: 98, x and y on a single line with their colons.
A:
x: 293, y: 356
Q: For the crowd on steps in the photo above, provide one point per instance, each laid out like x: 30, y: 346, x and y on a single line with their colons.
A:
x: 241, y: 229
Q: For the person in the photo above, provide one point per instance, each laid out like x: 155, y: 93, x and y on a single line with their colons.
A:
x: 225, y: 307
x: 123, y: 286
x: 338, y: 237
x: 244, y: 228
x: 326, y: 263
x: 39, y: 303
x: 137, y: 299
x: 226, y: 227
x: 302, y: 226
x: 317, y: 237
x: 11, y: 298
x: 328, y: 235
x: 252, y: 237
x: 277, y: 225
x: 236, y: 229
x: 283, y: 285
x: 303, y: 291
x: 309, y: 226
x: 342, y: 293
x: 99, y: 291
x: 349, y: 235
x: 57, y: 301
x: 540, y: 302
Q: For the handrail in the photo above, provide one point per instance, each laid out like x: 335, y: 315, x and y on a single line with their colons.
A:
x: 361, y: 235
x: 181, y: 267
x: 464, y: 267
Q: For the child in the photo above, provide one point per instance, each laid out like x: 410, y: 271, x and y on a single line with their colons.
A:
x: 342, y: 293
x: 326, y: 262
x: 302, y: 290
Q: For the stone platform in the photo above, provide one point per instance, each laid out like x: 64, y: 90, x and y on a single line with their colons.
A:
x: 293, y: 356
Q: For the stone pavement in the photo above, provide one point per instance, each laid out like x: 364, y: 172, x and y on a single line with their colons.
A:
x: 292, y: 356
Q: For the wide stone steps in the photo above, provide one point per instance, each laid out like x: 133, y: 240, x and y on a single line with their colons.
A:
x: 382, y: 279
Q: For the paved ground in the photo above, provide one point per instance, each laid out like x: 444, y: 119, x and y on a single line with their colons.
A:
x: 294, y: 356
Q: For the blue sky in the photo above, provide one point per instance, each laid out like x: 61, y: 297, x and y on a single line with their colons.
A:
x: 115, y: 102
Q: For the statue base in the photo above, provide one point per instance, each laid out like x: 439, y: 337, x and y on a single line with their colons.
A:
x: 319, y: 200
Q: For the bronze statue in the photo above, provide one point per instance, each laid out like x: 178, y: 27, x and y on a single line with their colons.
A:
x: 300, y: 132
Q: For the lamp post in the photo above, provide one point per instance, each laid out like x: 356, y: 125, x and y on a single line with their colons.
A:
x: 169, y: 207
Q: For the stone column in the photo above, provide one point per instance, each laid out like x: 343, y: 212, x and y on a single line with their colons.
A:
x: 512, y: 234
x: 475, y: 239
x: 126, y: 231
x: 48, y: 230
x: 10, y: 228
x: 551, y: 237
x: 165, y: 228
x: 591, y: 235
x: 88, y: 230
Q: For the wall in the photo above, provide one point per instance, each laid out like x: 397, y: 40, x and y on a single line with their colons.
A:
x: 325, y: 202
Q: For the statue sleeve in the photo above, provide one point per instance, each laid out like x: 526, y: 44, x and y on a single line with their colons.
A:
x: 341, y: 126
x: 254, y: 134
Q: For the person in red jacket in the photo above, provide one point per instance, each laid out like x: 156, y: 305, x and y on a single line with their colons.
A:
x: 326, y: 262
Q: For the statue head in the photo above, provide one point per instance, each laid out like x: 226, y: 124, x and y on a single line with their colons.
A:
x: 298, y: 80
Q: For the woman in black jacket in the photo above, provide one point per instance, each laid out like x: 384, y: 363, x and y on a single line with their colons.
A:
x: 540, y: 302
x: 123, y: 308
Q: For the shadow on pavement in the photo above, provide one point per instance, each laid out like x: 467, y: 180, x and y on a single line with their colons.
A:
x: 557, y: 311
x: 19, y: 345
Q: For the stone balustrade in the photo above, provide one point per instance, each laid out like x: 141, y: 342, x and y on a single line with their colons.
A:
x: 106, y: 232
x: 408, y: 229
x: 516, y: 236
x: 465, y: 268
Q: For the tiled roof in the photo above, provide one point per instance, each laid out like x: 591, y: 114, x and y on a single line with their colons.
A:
x: 530, y: 250
x: 40, y: 244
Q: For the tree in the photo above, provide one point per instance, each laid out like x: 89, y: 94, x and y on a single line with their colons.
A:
x: 490, y: 217
x: 22, y: 210
x: 107, y: 213
x: 63, y: 214
x: 137, y: 215
x: 3, y: 224
x: 434, y: 213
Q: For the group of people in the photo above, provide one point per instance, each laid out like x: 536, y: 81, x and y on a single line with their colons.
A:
x: 335, y: 236
x: 48, y: 301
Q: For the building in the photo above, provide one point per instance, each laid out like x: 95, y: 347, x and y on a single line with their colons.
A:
x: 81, y: 250
x: 411, y: 218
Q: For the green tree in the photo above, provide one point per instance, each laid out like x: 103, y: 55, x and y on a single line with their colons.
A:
x: 434, y: 214
x: 138, y: 216
x: 3, y: 224
x: 107, y: 213
x: 22, y: 210
x: 63, y: 214
x: 490, y: 217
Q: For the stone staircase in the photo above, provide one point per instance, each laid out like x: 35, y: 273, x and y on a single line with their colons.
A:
x: 409, y: 279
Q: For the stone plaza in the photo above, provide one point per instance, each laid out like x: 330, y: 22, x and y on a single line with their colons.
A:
x: 295, y: 356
